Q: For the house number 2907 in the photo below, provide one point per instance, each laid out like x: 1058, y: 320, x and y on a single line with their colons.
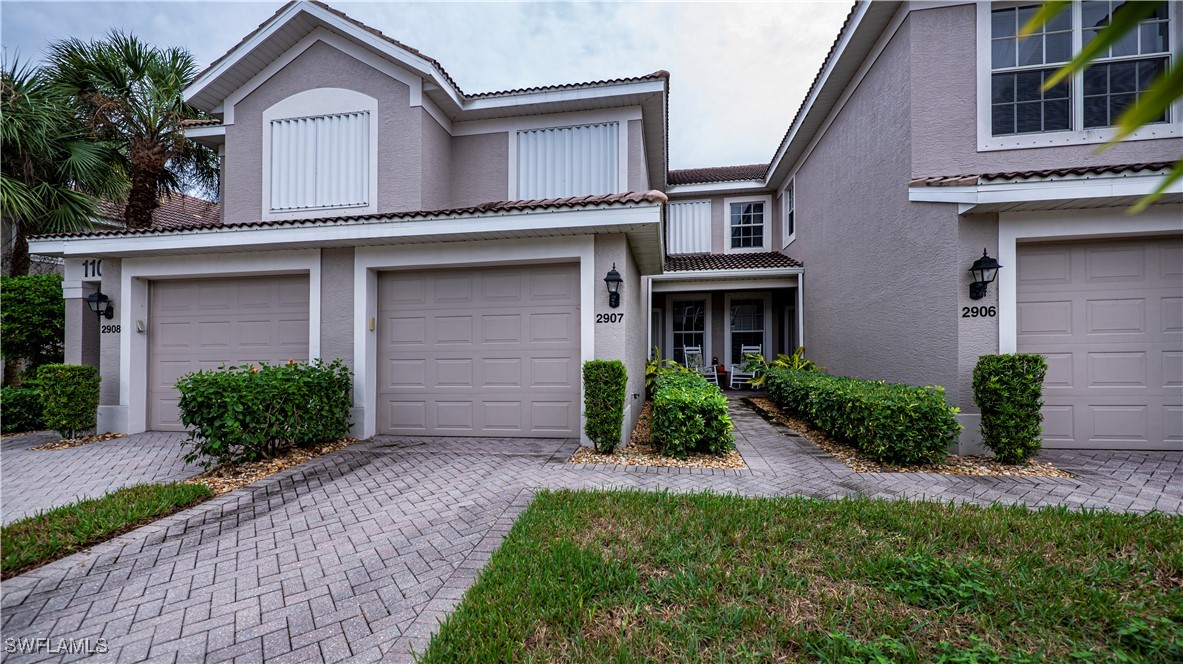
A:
x: 609, y: 318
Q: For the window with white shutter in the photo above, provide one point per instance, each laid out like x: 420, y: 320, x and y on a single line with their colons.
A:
x: 568, y: 161
x: 320, y: 162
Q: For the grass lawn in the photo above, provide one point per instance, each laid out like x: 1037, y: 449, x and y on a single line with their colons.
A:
x: 61, y: 531
x: 625, y: 576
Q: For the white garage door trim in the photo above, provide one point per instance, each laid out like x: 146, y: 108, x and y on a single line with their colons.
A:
x: 132, y: 305
x: 368, y: 261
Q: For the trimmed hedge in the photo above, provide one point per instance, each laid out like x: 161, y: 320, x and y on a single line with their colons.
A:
x: 20, y: 409
x: 690, y: 415
x: 32, y: 320
x: 1009, y: 390
x: 886, y: 421
x: 69, y: 397
x: 251, y: 412
x: 604, y: 385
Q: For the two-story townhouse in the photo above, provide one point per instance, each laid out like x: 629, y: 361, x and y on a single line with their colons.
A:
x: 451, y: 247
x: 925, y: 140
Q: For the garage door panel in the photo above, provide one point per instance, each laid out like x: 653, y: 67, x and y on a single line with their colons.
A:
x: 1115, y: 373
x: 494, y: 351
x: 207, y: 324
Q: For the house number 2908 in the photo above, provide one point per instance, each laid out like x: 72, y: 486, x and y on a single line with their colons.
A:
x: 609, y: 318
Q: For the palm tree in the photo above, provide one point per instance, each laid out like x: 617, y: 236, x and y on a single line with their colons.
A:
x: 131, y: 93
x: 52, y: 169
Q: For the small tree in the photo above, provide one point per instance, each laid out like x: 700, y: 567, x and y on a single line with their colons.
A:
x: 69, y: 397
x: 32, y: 322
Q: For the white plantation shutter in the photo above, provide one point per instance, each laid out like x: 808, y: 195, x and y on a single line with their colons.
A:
x: 568, y: 161
x: 690, y: 227
x: 320, y: 162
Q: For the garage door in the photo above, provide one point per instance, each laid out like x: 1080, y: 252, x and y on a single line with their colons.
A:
x: 480, y: 352
x: 207, y: 323
x: 1109, y: 317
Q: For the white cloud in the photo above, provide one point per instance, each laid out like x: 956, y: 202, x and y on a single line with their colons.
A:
x: 738, y: 70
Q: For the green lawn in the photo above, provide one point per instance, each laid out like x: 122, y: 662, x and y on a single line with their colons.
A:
x: 626, y: 576
x: 59, y: 532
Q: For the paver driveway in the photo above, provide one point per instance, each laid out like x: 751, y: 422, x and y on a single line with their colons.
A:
x: 356, y: 555
x: 36, y: 480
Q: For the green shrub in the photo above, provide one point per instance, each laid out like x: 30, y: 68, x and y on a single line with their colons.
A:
x: 69, y: 397
x: 32, y: 320
x: 657, y: 367
x: 253, y: 412
x: 604, y: 385
x: 797, y: 361
x: 690, y: 415
x: 20, y: 409
x: 1009, y: 390
x: 886, y: 421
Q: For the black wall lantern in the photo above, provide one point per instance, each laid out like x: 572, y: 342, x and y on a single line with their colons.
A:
x: 984, y: 270
x: 613, y: 280
x: 101, y: 305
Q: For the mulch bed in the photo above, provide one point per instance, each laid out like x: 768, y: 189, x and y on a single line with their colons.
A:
x: 954, y: 464
x: 228, y: 477
x: 640, y: 452
x: 67, y: 443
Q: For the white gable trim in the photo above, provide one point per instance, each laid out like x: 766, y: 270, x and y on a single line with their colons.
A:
x: 345, y: 46
x: 1083, y: 188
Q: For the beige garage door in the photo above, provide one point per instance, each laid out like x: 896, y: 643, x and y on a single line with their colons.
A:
x: 203, y: 324
x: 480, y: 352
x: 1109, y: 317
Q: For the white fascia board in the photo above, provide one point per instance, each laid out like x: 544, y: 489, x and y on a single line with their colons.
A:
x: 214, y: 239
x: 843, y: 42
x: 205, y: 132
x: 232, y: 59
x: 1042, y: 190
x: 729, y: 274
x: 734, y: 186
x: 564, y: 95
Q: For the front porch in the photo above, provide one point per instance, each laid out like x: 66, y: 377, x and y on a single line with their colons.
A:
x: 722, y: 311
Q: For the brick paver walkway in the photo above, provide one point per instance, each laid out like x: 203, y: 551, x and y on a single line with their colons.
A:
x: 35, y: 480
x: 356, y: 555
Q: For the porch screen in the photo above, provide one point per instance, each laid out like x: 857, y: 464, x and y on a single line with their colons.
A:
x: 747, y: 327
x: 689, y: 327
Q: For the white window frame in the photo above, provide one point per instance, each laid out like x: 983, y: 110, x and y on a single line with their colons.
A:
x: 668, y: 332
x: 755, y: 295
x: 788, y: 207
x: 315, y: 103
x: 988, y: 142
x: 766, y: 239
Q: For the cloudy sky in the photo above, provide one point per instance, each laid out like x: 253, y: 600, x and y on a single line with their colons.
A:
x: 738, y: 70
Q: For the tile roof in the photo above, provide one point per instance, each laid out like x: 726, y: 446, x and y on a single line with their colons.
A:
x: 657, y: 75
x: 201, y: 122
x: 752, y: 261
x: 176, y: 212
x: 718, y: 174
x: 493, y: 207
x: 1077, y: 171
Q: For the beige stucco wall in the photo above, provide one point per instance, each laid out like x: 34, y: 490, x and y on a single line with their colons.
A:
x: 399, y: 127
x: 337, y: 321
x: 624, y: 340
x: 638, y: 175
x: 480, y: 168
x: 436, y: 148
x: 109, y: 350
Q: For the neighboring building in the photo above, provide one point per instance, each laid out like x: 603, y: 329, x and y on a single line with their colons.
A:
x: 450, y: 247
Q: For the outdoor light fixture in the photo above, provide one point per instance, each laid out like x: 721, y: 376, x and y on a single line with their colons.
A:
x: 101, y: 305
x: 984, y: 270
x: 613, y: 280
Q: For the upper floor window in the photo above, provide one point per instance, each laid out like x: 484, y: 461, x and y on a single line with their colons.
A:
x: 689, y: 227
x: 320, y: 162
x: 560, y: 162
x: 788, y: 212
x: 320, y: 152
x: 1020, y: 66
x: 746, y: 223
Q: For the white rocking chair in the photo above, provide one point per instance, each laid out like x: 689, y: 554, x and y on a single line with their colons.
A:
x: 694, y: 361
x: 740, y: 376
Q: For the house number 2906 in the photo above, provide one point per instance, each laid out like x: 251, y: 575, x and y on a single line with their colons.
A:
x: 609, y: 318
x: 979, y: 312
